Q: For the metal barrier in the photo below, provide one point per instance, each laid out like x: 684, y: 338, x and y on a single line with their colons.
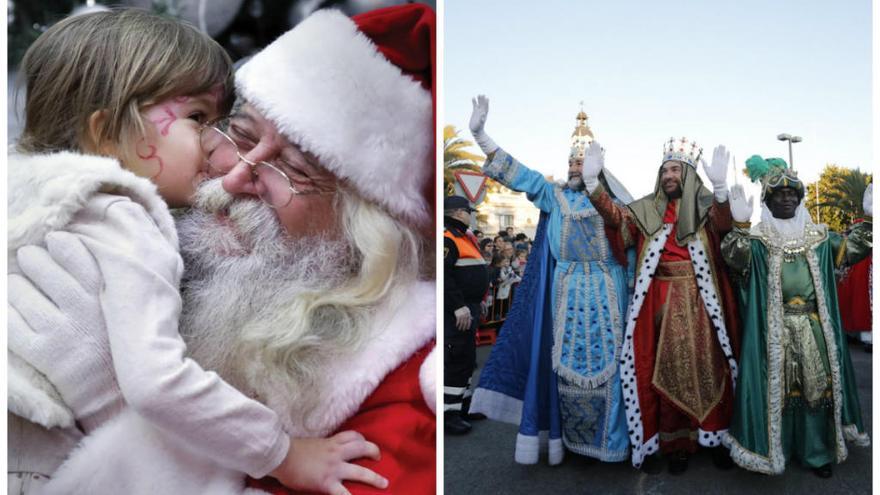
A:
x: 491, y: 323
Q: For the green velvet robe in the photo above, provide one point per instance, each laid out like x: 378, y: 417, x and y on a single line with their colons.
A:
x: 760, y: 436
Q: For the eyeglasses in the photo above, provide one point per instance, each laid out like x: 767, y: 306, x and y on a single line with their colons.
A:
x: 273, y: 185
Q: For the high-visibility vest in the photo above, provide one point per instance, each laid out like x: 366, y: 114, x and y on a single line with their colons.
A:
x: 468, y: 252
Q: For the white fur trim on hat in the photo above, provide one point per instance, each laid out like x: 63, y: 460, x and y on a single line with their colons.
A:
x: 330, y: 91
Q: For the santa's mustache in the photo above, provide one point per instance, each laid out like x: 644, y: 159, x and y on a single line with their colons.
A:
x: 241, y: 225
x: 210, y: 196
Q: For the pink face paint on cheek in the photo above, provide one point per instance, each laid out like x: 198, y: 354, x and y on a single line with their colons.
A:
x: 165, y: 114
x: 150, y: 155
x: 162, y: 117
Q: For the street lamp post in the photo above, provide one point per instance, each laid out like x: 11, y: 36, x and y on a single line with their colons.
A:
x: 791, y: 139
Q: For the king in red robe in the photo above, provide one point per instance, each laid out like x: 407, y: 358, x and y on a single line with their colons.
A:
x: 679, y: 357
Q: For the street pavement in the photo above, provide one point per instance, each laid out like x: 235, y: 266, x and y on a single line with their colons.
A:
x: 481, y: 462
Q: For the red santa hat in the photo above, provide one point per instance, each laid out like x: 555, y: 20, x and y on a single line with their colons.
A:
x: 357, y: 93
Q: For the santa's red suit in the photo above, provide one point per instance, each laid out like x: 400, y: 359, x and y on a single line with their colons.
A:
x: 397, y: 419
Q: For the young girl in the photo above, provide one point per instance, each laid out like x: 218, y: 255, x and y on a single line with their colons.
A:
x: 504, y: 278
x: 114, y: 105
x: 519, y: 263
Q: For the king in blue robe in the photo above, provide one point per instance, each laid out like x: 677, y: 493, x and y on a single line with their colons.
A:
x: 554, y: 369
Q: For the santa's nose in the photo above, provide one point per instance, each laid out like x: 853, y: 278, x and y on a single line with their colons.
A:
x: 239, y: 180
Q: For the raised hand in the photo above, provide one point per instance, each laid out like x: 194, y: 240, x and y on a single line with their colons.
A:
x: 594, y: 163
x: 478, y: 123
x: 479, y: 114
x: 740, y: 207
x: 717, y: 172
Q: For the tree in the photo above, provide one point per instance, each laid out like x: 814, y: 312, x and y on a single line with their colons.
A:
x: 840, y: 196
x: 457, y: 157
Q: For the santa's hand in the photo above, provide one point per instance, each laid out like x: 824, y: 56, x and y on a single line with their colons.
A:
x: 463, y: 318
x: 740, y: 208
x: 478, y: 123
x: 594, y: 162
x: 55, y: 318
x: 321, y: 464
x: 717, y: 172
x: 868, y: 200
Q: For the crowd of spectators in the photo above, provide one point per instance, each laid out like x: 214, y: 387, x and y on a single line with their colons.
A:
x: 506, y: 254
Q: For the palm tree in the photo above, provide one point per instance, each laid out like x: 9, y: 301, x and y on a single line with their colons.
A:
x: 456, y: 157
x: 840, y: 195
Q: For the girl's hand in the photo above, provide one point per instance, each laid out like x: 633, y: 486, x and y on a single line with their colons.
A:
x: 321, y: 464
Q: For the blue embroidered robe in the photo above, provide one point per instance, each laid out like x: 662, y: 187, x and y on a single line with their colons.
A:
x: 554, y: 368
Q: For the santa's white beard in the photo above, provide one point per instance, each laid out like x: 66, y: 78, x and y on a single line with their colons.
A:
x: 244, y: 280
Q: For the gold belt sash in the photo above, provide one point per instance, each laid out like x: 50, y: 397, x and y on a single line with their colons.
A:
x: 689, y: 369
x: 805, y: 374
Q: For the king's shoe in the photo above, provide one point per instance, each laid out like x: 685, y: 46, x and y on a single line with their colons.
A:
x: 823, y: 471
x: 678, y: 463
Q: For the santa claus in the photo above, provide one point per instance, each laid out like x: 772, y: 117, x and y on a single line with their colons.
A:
x: 309, y: 270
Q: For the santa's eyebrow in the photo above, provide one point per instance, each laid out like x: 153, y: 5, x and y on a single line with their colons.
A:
x: 242, y: 115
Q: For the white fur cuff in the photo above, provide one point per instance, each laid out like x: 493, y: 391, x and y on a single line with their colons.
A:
x: 428, y: 379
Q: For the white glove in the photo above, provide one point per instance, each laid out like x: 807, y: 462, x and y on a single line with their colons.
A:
x: 478, y: 123
x: 594, y: 162
x: 463, y: 318
x: 740, y: 208
x: 868, y: 200
x: 62, y: 333
x: 717, y: 172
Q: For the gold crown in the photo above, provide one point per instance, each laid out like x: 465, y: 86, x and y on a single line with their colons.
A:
x: 682, y: 150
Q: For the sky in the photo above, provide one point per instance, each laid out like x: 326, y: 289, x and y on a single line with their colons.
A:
x: 731, y: 73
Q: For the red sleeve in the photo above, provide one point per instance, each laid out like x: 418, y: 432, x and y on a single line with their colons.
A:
x: 396, y: 418
x: 620, y: 230
x: 720, y: 218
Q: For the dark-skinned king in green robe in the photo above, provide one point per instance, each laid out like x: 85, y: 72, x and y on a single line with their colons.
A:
x: 796, y: 397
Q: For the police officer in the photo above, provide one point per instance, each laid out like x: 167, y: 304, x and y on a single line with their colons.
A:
x: 466, y: 281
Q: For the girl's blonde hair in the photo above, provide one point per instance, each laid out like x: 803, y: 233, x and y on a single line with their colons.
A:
x: 117, y: 62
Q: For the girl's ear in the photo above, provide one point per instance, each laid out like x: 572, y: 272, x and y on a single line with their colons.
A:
x: 93, y: 143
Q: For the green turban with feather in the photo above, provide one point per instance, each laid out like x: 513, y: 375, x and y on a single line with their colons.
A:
x: 773, y: 173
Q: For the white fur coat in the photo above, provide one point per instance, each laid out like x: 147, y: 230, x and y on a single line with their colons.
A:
x: 45, y: 192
